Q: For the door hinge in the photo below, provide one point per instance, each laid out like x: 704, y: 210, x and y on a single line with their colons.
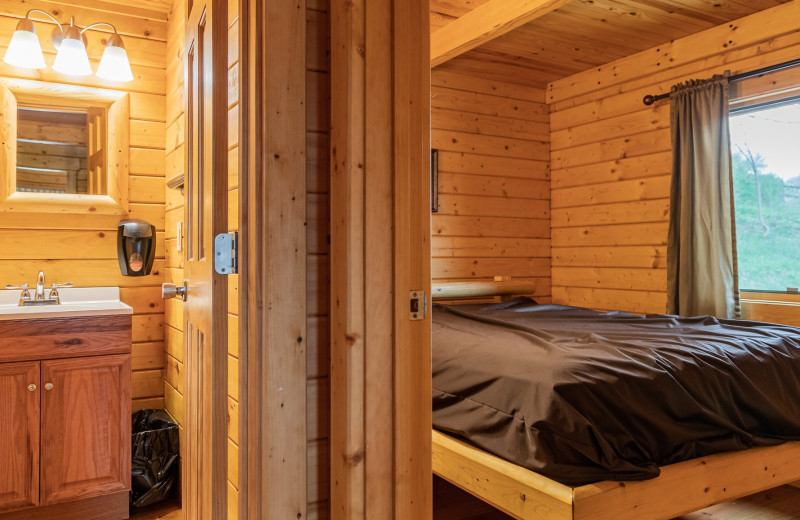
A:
x: 226, y: 253
x: 417, y: 305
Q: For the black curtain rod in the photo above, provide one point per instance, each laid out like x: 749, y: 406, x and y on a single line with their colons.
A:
x: 649, y: 99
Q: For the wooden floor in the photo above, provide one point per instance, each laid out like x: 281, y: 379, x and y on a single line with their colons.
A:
x: 783, y: 503
x: 169, y: 510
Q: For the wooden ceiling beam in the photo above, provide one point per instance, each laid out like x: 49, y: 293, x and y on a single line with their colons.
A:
x: 484, y: 23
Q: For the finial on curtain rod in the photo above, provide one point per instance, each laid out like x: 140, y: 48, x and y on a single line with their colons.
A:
x: 649, y: 99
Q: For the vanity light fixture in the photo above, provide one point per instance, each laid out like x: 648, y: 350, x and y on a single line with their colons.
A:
x: 25, y: 51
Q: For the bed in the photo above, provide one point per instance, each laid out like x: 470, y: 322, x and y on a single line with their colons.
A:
x: 592, y: 460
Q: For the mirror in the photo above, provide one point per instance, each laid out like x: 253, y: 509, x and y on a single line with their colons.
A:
x: 65, y: 148
x: 53, y: 153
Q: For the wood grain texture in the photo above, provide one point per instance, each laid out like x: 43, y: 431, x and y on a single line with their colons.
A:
x: 494, y: 196
x: 699, y: 482
x: 54, y: 338
x: 581, y: 36
x: 782, y: 503
x: 113, y: 506
x: 82, y: 248
x: 379, y: 243
x: 205, y: 316
x: 19, y: 451
x: 611, y: 162
x: 485, y: 23
x: 86, y: 426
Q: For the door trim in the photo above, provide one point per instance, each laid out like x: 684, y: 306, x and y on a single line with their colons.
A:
x: 273, y: 271
x: 380, y: 439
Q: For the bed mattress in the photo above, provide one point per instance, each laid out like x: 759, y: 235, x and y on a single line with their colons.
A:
x: 582, y: 396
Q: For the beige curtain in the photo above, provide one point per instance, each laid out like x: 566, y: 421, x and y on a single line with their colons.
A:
x: 701, y: 255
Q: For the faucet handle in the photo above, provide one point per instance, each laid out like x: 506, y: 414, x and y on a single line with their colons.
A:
x: 25, y: 296
x: 54, y: 290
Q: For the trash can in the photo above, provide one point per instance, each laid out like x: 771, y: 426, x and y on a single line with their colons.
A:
x: 155, y: 457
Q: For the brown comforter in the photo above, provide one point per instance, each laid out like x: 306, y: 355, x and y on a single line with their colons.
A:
x: 581, y: 396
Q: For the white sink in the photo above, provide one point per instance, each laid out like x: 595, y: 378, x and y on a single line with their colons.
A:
x: 75, y: 301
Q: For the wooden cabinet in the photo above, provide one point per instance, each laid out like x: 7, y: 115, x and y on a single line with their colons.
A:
x: 65, y: 431
x: 19, y: 435
x: 86, y: 427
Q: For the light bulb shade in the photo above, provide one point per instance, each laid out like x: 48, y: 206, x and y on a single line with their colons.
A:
x: 24, y: 49
x: 72, y: 58
x: 114, y: 65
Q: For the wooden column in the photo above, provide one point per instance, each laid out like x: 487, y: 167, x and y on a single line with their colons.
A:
x: 272, y: 472
x: 380, y: 251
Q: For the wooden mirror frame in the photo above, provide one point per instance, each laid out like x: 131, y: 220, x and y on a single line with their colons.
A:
x: 117, y: 108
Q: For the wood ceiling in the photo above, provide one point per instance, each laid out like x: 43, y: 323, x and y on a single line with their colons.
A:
x: 584, y: 34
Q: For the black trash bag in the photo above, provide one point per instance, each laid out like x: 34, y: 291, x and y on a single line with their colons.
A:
x: 155, y: 458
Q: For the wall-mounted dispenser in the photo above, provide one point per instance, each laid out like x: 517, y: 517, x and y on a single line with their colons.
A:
x: 136, y: 247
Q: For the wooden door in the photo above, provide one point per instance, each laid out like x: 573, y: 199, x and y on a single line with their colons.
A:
x: 19, y: 435
x: 205, y: 309
x: 85, y: 427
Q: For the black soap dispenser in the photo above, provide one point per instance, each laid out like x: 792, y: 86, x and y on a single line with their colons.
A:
x: 136, y: 247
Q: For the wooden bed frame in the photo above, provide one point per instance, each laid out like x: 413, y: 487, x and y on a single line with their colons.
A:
x: 681, y: 488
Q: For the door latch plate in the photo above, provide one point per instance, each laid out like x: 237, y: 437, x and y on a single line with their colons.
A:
x: 417, y: 305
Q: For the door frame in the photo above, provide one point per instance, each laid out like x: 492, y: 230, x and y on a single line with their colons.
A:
x: 380, y: 439
x: 272, y: 276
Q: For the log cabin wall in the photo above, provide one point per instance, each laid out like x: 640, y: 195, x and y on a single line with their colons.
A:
x: 317, y: 124
x: 82, y: 248
x: 611, y: 158
x: 174, y: 346
x: 494, y: 189
x: 318, y: 250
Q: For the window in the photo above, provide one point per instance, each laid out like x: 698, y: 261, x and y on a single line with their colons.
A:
x: 765, y: 152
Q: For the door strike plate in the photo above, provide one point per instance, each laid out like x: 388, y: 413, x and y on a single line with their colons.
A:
x: 226, y: 253
x: 417, y: 305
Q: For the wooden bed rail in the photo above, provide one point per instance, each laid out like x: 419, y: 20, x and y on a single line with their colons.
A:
x: 481, y: 289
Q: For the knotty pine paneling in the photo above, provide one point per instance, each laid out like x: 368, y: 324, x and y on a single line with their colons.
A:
x: 82, y: 248
x: 317, y: 248
x: 494, y: 181
x: 318, y: 232
x: 174, y: 347
x: 611, y: 159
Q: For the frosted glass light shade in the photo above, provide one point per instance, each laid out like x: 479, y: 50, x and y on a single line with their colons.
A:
x: 72, y: 58
x: 24, y: 49
x: 114, y: 65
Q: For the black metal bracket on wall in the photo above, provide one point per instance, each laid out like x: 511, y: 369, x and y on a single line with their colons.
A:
x: 434, y: 180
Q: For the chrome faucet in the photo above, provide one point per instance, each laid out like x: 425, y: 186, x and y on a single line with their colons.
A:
x: 40, y: 286
x: 39, y: 297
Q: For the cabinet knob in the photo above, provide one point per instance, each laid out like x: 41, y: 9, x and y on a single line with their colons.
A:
x: 48, y: 386
x: 31, y: 387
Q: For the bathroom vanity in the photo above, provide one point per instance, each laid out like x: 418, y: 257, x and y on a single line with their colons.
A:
x: 65, y: 399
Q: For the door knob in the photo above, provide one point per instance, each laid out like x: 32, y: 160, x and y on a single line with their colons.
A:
x: 170, y: 290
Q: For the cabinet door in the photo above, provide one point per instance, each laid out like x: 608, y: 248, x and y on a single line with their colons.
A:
x: 86, y: 427
x: 19, y: 435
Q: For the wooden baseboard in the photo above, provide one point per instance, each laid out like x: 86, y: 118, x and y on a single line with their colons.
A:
x: 106, y: 507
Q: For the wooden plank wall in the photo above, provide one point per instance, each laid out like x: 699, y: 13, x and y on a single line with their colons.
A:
x: 82, y: 248
x: 233, y: 280
x: 611, y: 158
x: 174, y: 347
x: 318, y: 249
x: 494, y: 188
x: 318, y: 233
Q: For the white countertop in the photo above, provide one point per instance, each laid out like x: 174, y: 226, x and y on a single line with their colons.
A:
x: 75, y: 301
